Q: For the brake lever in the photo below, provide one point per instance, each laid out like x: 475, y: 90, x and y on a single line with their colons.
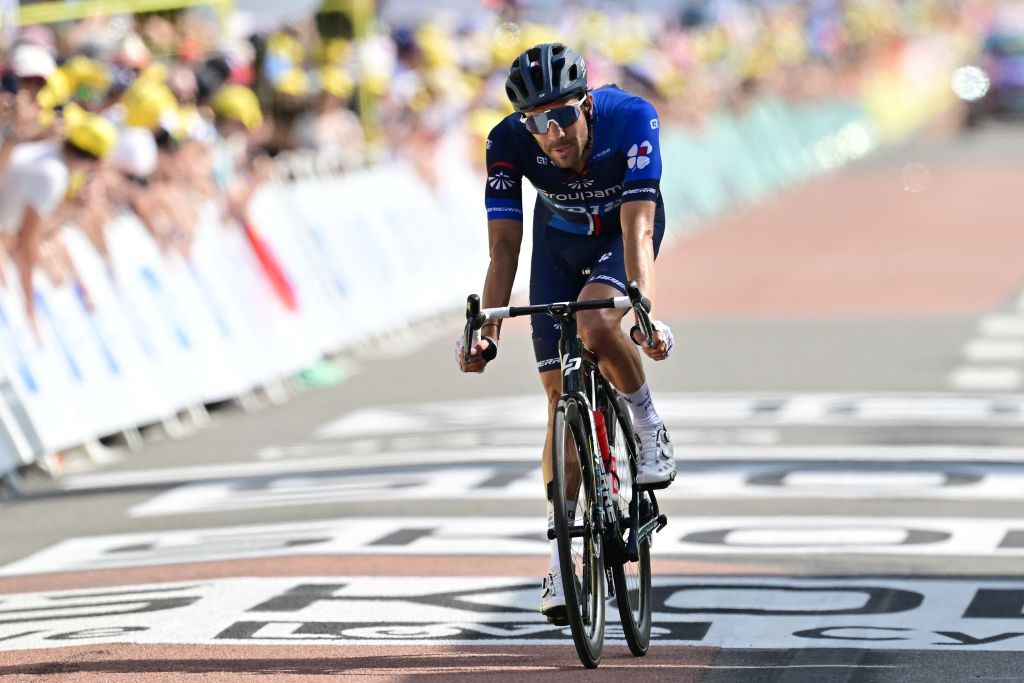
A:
x: 474, y: 321
x: 642, y: 308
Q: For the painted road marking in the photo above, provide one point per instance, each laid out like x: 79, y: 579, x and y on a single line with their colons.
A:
x: 993, y: 357
x: 320, y: 464
x: 525, y: 536
x: 1002, y: 325
x: 483, y: 440
x: 709, y: 453
x: 523, y: 481
x: 987, y: 350
x: 986, y: 378
x: 727, y: 612
x: 681, y: 410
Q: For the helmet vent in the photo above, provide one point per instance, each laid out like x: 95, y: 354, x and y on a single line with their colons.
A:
x: 545, y: 73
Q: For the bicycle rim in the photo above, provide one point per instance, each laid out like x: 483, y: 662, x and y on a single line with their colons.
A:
x: 633, y: 594
x: 632, y: 580
x: 580, y: 557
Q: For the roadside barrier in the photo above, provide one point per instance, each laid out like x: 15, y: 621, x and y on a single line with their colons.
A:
x: 141, y: 336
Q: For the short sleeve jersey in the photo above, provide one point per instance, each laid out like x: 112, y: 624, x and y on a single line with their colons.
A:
x: 624, y: 165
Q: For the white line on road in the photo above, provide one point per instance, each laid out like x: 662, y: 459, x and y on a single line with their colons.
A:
x: 1002, y: 325
x: 987, y: 350
x: 709, y: 453
x: 978, y: 378
x: 261, y: 468
x: 685, y: 409
x: 760, y: 536
x: 696, y: 480
x: 729, y: 612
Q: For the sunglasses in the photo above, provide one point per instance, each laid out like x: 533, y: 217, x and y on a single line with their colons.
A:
x: 564, y: 116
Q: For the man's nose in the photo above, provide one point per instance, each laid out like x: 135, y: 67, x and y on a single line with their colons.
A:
x: 554, y: 132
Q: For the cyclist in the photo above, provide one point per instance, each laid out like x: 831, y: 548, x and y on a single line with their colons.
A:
x: 593, y: 157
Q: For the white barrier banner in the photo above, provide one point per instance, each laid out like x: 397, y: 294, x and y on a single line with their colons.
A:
x: 140, y: 334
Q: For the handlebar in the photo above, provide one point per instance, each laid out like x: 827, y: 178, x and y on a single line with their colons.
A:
x: 476, y: 316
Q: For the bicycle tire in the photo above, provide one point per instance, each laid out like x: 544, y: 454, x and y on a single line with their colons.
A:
x: 633, y: 594
x: 580, y: 558
x: 632, y: 580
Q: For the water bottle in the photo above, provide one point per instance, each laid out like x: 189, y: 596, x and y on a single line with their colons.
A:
x: 611, y: 475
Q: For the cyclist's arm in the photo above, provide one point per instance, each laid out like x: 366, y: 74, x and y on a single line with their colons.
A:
x: 503, y: 198
x: 637, y: 219
x: 641, y: 188
x: 506, y: 238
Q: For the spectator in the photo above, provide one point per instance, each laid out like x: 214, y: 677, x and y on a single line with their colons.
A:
x: 37, y: 179
x: 330, y: 125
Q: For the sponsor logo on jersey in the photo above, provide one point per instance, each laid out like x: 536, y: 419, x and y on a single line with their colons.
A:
x: 639, y: 190
x: 583, y: 194
x: 604, y: 257
x: 654, y: 124
x: 501, y: 181
x: 600, y: 155
x: 639, y: 155
x: 489, y: 143
x: 542, y: 161
x: 580, y: 183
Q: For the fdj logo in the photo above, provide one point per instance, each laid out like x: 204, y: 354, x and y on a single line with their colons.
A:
x: 639, y: 155
x: 570, y: 364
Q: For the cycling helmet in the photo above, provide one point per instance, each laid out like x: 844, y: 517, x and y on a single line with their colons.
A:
x: 545, y: 73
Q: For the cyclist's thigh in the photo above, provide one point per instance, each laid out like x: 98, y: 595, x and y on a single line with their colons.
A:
x: 550, y: 281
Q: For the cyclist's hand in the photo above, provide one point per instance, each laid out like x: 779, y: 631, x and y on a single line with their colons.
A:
x: 663, y: 341
x: 480, y: 354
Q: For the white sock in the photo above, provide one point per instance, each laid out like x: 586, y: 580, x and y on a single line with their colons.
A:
x: 641, y: 405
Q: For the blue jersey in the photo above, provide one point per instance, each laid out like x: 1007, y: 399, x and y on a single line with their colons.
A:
x: 624, y: 166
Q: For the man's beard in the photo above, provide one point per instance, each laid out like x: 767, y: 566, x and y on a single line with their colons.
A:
x: 567, y: 161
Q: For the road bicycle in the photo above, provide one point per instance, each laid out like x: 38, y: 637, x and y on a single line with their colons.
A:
x: 603, y: 523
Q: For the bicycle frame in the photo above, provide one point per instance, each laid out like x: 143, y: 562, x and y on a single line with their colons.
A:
x: 575, y: 385
x: 601, y: 524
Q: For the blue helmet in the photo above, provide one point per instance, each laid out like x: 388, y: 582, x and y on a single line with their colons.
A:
x: 545, y: 73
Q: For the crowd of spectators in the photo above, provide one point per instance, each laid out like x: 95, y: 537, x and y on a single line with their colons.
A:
x: 157, y: 113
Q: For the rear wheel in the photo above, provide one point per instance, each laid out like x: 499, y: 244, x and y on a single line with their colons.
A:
x: 633, y: 594
x: 580, y: 549
x: 632, y: 579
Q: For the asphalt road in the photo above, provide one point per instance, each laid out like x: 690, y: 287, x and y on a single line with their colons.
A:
x: 846, y: 407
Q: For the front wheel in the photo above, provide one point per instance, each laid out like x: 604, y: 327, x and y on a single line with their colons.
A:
x: 580, y: 550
